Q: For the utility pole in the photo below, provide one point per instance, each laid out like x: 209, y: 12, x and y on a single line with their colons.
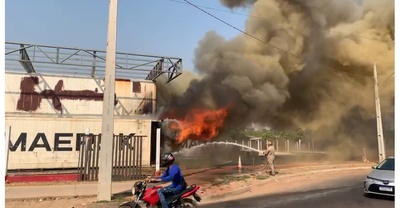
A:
x: 381, y: 142
x: 107, y: 131
x: 158, y: 148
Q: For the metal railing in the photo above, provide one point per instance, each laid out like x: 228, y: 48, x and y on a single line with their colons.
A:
x: 87, y: 62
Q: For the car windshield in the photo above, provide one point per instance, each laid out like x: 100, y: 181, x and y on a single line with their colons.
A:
x: 387, y: 164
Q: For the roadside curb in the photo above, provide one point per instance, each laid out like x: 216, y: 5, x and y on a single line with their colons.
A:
x: 313, y: 172
x: 248, y: 187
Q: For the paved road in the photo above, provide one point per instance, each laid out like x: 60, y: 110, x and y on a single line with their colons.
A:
x: 349, y: 195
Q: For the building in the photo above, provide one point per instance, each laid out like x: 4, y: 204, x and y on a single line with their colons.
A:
x: 54, y: 96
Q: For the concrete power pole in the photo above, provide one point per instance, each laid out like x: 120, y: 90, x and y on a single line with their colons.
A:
x: 381, y: 142
x: 107, y: 131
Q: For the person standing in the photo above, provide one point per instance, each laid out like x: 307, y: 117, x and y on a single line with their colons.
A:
x: 270, y: 153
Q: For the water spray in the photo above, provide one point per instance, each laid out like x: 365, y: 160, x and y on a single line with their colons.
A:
x: 219, y: 143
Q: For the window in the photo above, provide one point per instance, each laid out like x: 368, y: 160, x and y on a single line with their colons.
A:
x: 387, y: 164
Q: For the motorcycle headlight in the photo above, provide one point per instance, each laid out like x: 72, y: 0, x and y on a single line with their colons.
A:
x: 133, y: 190
x: 137, y: 187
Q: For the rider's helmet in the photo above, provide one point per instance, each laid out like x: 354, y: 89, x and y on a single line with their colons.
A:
x: 167, y: 160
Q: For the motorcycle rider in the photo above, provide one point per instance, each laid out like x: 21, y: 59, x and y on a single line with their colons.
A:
x: 172, y: 173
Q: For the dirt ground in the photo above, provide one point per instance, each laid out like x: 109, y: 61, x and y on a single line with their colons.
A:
x: 310, y: 177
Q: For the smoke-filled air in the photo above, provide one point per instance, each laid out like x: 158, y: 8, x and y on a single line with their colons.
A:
x: 310, y: 66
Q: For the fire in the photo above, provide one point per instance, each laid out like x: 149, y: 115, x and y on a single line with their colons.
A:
x: 199, y: 124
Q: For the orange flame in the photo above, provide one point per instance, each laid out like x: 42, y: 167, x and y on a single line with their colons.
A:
x: 199, y: 124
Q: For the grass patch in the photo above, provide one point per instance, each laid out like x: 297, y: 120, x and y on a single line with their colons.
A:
x: 228, y: 179
x: 243, y: 177
x: 102, y: 201
x: 261, y: 177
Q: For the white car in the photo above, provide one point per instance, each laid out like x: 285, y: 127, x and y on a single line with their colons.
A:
x: 380, y: 180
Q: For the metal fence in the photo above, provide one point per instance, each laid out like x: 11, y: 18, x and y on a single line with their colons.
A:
x: 126, y: 157
x: 280, y: 145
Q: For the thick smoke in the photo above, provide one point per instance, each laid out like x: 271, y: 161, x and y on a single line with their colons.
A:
x: 322, y: 83
x: 237, y: 3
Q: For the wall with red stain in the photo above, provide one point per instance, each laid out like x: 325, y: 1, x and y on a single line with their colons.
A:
x: 69, y: 96
x: 48, y: 113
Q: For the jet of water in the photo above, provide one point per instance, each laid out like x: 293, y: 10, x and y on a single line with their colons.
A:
x: 216, y: 143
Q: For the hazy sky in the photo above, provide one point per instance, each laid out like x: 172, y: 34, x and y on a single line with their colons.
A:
x: 159, y: 27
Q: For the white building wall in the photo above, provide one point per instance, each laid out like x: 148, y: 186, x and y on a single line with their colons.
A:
x: 63, y: 111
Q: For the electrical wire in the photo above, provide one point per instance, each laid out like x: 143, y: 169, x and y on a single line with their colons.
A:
x: 258, y: 39
x: 387, y: 78
x: 219, y: 10
x: 258, y: 17
x: 242, y: 31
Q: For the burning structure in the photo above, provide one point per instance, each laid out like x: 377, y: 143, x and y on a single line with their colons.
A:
x: 198, y: 124
x: 303, y: 63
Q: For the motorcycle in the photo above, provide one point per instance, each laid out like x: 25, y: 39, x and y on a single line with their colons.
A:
x: 148, y: 197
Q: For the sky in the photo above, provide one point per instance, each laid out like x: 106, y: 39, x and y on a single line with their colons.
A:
x: 156, y: 27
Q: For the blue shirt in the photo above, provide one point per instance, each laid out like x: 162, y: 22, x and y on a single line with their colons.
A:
x: 174, y: 174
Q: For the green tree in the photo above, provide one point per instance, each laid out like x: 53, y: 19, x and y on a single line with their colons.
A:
x: 268, y: 135
x: 237, y: 134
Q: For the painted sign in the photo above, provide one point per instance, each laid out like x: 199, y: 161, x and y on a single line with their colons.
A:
x: 191, y: 143
x: 47, y: 115
x: 30, y: 99
x: 40, y: 143
x: 74, y: 96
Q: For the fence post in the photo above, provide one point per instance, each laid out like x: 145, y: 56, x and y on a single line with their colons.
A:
x: 365, y: 160
x: 87, y: 156
x: 313, y: 147
x: 158, y: 146
x: 300, y: 144
x: 8, y: 149
x: 277, y: 145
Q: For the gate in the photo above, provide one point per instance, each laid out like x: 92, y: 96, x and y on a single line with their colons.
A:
x: 126, y: 157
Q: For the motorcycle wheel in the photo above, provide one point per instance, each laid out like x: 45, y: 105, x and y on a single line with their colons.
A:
x: 189, y: 203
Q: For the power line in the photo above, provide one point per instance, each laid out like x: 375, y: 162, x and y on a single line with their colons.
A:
x: 258, y: 17
x: 361, y: 36
x: 254, y: 37
x: 219, y: 10
x: 388, y: 78
x: 242, y: 31
x: 347, y: 73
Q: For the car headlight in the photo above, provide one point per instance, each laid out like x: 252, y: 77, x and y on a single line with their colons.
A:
x: 370, y: 178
